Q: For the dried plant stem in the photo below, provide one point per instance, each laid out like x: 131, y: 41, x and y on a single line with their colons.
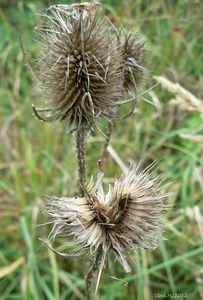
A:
x: 92, y: 272
x: 106, y: 143
x: 81, y: 157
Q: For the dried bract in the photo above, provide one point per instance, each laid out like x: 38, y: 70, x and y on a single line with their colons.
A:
x: 79, y: 68
x: 129, y: 216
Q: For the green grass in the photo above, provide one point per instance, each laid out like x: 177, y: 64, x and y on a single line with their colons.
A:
x: 38, y: 158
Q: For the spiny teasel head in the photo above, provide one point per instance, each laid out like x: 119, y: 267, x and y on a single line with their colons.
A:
x: 134, y: 53
x: 79, y: 69
x: 128, y: 216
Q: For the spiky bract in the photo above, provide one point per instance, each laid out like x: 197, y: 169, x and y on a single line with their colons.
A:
x: 79, y: 68
x: 128, y: 216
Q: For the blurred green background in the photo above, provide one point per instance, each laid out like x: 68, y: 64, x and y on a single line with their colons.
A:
x: 39, y: 158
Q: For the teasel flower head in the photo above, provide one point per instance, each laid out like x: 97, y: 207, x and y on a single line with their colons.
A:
x: 134, y: 55
x: 79, y: 71
x: 128, y: 216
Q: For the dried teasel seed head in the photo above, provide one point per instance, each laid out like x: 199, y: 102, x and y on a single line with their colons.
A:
x: 128, y: 216
x: 134, y: 53
x: 79, y: 68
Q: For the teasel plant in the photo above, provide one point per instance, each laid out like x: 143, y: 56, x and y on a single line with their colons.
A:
x: 79, y: 70
x: 126, y: 218
x: 85, y: 70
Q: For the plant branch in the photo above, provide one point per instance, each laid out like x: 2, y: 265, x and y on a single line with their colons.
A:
x: 91, y: 274
x: 106, y: 143
x: 81, y: 157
